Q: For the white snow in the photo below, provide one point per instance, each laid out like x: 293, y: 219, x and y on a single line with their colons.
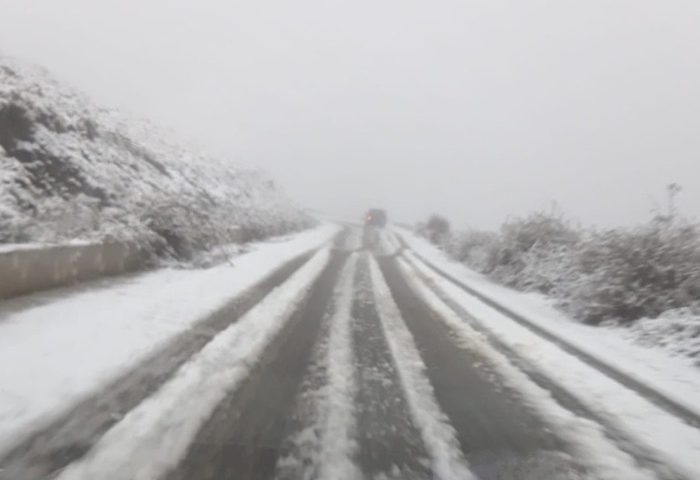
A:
x: 666, y: 438
x: 586, y: 439
x: 392, y: 242
x: 58, y: 347
x: 326, y: 447
x: 353, y: 241
x: 338, y: 444
x: 675, y: 377
x: 439, y: 436
x: 675, y: 332
x: 153, y: 437
x: 20, y: 247
x: 387, y: 243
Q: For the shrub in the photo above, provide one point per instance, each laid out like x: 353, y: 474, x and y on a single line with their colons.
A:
x: 436, y: 229
x: 532, y: 251
x: 619, y: 275
x: 642, y: 272
x: 477, y: 248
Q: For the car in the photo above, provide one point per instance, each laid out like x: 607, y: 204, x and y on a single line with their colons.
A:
x: 375, y: 218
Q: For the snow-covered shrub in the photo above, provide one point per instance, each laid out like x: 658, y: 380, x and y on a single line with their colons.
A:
x: 627, y: 274
x: 617, y: 275
x: 646, y: 278
x: 533, y: 251
x: 74, y: 217
x: 436, y: 229
x: 476, y: 248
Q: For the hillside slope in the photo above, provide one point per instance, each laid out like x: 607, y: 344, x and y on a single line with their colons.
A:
x: 70, y: 170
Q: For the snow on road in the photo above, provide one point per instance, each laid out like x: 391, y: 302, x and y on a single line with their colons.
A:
x: 68, y: 348
x: 387, y: 243
x: 585, y: 438
x: 675, y: 377
x: 337, y: 435
x: 438, y: 435
x: 353, y: 241
x: 327, y: 447
x: 666, y: 438
x: 392, y: 244
x: 58, y: 347
x: 153, y: 437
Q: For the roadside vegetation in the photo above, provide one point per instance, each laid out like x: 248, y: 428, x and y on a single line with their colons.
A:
x: 645, y: 277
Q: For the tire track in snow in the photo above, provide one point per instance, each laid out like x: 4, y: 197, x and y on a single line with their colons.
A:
x: 438, y: 435
x: 390, y: 444
x: 152, y: 438
x: 658, y: 441
x: 499, y: 435
x: 586, y: 439
x: 338, y: 445
x: 242, y: 439
x: 326, y: 445
x: 681, y: 408
x: 71, y: 437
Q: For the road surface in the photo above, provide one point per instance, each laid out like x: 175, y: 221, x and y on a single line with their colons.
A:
x: 362, y: 376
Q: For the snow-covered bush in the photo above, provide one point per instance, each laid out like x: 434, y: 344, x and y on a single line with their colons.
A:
x: 436, y: 229
x: 70, y: 170
x: 619, y: 275
x: 646, y: 278
x: 532, y: 251
x: 70, y: 217
x: 628, y: 274
x: 477, y: 248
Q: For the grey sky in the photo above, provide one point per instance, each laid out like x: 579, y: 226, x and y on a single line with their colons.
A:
x: 477, y: 109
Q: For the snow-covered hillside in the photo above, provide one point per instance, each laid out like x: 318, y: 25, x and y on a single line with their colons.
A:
x: 70, y: 170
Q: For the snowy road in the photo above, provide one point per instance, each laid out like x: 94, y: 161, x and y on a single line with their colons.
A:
x: 352, y: 361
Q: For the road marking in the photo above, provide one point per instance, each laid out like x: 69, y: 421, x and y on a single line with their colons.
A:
x: 438, y: 435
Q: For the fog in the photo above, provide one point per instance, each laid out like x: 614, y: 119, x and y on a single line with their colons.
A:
x: 474, y: 109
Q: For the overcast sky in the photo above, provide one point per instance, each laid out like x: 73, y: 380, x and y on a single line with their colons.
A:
x: 476, y: 109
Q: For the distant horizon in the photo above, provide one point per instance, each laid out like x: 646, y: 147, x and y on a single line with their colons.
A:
x: 473, y: 111
x: 655, y: 202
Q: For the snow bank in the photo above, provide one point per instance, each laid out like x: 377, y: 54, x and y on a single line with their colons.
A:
x: 60, y: 347
x: 71, y: 170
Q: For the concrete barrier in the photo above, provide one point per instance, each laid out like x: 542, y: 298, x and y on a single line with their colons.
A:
x: 30, y: 269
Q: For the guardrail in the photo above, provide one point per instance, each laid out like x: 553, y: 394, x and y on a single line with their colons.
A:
x: 31, y: 269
